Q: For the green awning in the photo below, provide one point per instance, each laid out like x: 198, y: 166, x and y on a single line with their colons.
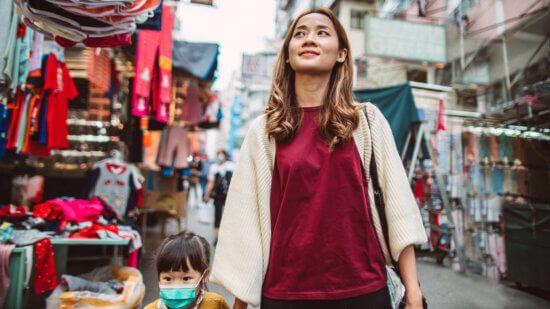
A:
x: 397, y: 105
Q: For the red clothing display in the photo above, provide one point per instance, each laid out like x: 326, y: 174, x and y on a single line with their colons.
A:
x: 13, y: 131
x: 69, y: 210
x: 323, y: 243
x: 61, y: 89
x: 100, y: 70
x: 45, y: 277
x: 152, y: 80
x: 48, y: 211
x: 91, y: 232
x: 441, y: 117
x: 12, y: 211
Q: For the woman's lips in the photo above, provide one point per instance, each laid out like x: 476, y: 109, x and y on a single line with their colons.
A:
x: 309, y: 54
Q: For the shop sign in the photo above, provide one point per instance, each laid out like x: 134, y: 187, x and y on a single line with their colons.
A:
x: 405, y: 40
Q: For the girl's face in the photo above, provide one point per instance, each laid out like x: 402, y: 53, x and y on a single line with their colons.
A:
x: 180, y: 277
x: 314, y: 47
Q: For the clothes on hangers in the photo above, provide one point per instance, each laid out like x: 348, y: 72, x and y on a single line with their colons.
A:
x: 14, y: 50
x: 61, y: 89
x: 192, y: 106
x: 39, y: 111
x: 5, y: 119
x: 153, y: 81
x: 94, y: 23
x: 117, y: 184
x: 174, y: 148
x: 99, y: 69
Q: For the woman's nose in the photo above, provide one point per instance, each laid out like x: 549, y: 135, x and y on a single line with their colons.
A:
x: 310, y: 39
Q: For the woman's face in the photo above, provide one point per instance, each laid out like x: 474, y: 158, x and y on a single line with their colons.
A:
x: 314, y: 48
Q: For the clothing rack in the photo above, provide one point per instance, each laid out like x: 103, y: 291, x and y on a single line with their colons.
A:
x: 420, y: 136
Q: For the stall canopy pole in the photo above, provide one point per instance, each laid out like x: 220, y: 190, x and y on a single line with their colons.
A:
x: 404, y: 151
x: 416, y: 149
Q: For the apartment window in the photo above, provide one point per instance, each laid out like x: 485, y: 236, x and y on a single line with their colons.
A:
x: 361, y: 68
x: 357, y: 19
x: 417, y: 75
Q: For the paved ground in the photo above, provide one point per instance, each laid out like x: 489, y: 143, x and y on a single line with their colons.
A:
x: 442, y: 287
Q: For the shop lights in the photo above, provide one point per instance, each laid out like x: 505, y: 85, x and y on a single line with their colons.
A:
x: 513, y: 131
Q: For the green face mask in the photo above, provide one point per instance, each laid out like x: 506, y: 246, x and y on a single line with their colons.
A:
x: 178, y: 296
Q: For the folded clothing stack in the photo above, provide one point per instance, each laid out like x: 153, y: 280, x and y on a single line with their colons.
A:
x: 95, y: 23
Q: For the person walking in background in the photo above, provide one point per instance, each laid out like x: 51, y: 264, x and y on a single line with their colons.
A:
x: 301, y: 229
x: 195, y: 191
x: 219, y: 178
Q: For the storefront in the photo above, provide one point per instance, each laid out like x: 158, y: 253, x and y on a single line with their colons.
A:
x: 100, y: 125
x: 482, y: 181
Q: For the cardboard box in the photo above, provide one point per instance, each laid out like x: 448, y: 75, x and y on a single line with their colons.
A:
x: 161, y: 194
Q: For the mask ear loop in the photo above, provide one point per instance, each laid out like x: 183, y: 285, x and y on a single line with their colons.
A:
x: 200, y: 279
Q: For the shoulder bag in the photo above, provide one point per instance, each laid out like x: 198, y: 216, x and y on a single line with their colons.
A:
x: 394, y: 283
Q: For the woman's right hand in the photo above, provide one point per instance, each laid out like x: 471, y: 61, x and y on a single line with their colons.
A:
x: 239, y: 304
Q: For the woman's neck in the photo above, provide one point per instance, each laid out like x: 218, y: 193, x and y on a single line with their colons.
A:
x: 311, y: 89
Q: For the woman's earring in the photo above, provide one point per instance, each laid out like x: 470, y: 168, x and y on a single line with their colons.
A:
x: 287, y: 61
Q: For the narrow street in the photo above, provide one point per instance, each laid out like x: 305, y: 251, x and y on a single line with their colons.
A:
x: 335, y: 125
x: 443, y: 287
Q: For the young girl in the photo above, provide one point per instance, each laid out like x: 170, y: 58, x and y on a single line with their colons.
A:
x: 183, y: 268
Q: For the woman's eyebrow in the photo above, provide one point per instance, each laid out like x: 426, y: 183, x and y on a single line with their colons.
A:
x: 304, y: 27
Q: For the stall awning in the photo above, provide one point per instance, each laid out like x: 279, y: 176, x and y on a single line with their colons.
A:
x: 198, y: 59
x: 397, y: 105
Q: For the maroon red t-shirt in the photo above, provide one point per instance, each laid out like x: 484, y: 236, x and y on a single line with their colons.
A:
x: 323, y: 243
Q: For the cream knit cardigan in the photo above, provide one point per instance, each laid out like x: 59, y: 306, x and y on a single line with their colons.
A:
x: 242, y: 253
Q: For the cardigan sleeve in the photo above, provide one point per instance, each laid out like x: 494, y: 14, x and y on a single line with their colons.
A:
x: 238, y: 264
x: 405, y: 225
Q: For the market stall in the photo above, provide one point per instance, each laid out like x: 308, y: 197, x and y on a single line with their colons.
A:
x: 98, y: 123
x: 494, y: 176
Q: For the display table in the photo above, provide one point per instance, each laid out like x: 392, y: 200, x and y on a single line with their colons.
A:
x: 17, y: 263
x: 16, y: 268
x: 61, y: 250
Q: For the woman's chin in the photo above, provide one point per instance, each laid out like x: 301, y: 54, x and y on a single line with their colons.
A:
x: 311, y: 69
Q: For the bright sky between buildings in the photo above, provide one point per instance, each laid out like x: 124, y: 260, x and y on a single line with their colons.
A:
x: 239, y: 26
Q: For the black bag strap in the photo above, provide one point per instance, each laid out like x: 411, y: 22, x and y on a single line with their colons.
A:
x: 378, y: 195
x: 380, y: 207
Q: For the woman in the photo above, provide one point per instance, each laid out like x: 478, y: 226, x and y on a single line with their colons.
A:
x: 300, y: 229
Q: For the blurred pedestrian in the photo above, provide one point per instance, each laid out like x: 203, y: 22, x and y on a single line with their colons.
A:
x: 195, y: 189
x: 219, y: 178
x: 300, y: 229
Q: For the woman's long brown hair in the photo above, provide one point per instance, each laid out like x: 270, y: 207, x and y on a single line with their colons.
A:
x: 338, y: 118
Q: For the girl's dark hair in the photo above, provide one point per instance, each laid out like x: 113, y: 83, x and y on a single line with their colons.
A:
x: 175, y: 250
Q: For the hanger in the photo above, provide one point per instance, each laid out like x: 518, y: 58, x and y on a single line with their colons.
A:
x: 117, y: 156
x: 52, y: 47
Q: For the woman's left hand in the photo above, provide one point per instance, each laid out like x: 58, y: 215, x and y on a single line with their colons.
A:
x: 414, y: 300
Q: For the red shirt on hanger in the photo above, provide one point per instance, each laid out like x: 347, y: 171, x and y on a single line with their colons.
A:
x: 61, y: 89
